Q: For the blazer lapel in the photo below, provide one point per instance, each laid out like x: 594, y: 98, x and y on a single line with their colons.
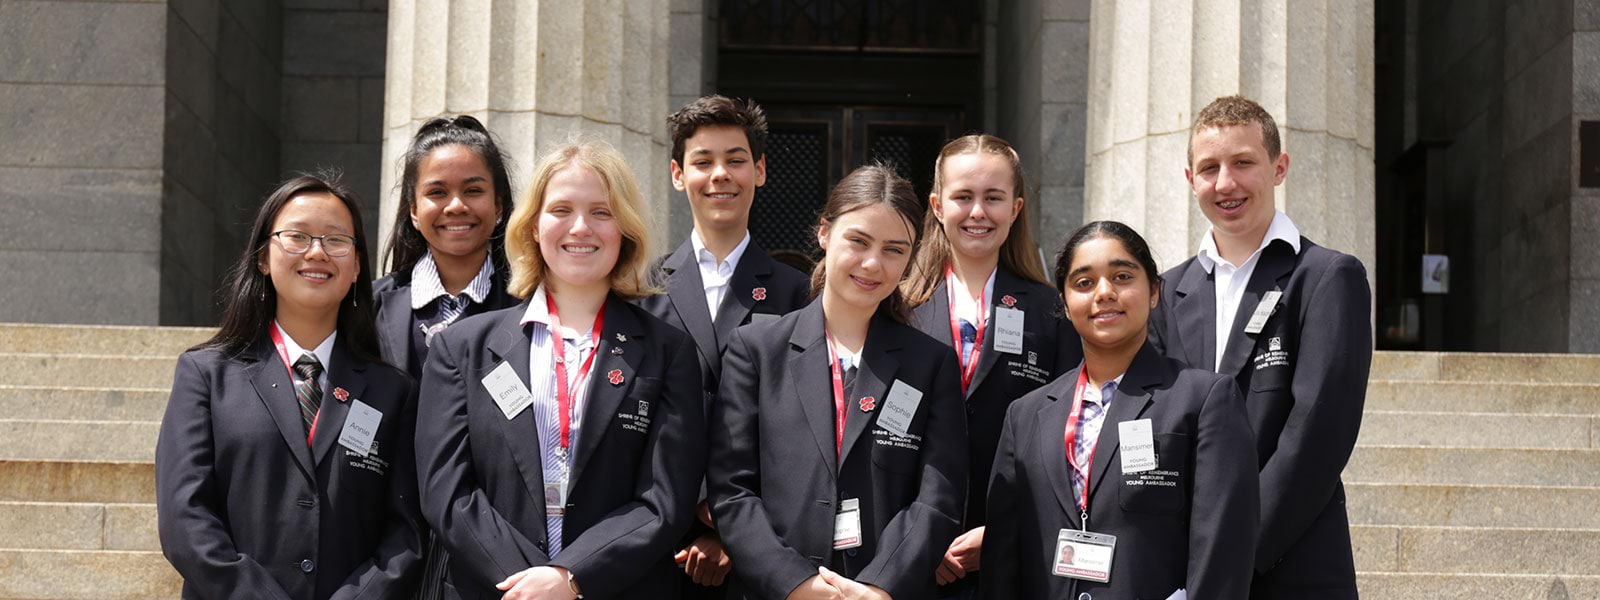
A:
x: 603, y: 398
x: 276, y: 391
x: 873, y: 378
x: 1196, y: 310
x: 752, y: 271
x: 688, y: 295
x: 509, y: 344
x: 1276, y: 262
x: 1052, y: 442
x: 808, y: 362
x: 345, y: 373
x: 396, y: 319
x: 1131, y: 401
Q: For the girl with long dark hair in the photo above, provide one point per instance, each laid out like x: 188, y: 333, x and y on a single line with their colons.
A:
x: 284, y: 465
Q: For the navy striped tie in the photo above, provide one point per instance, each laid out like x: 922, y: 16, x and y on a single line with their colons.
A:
x: 307, y: 391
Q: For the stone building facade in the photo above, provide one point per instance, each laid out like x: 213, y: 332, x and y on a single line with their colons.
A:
x: 138, y: 136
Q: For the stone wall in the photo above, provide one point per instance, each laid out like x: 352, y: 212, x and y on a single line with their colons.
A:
x: 220, y: 145
x: 81, y: 91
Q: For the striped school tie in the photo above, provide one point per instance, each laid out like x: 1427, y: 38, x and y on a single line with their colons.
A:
x: 307, y: 391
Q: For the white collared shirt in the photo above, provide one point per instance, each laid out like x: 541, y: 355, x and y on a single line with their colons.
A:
x: 323, y: 352
x: 427, y: 286
x: 1231, y: 280
x: 546, y: 409
x: 714, y: 276
x: 965, y: 308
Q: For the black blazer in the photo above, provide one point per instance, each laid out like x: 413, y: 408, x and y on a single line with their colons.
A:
x: 391, y: 296
x: 1198, y: 534
x: 773, y: 479
x: 246, y: 509
x: 635, y: 473
x: 1305, y: 381
x: 683, y: 306
x: 1050, y: 347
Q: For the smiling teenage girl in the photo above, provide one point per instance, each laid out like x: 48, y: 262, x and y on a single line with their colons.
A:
x: 837, y: 440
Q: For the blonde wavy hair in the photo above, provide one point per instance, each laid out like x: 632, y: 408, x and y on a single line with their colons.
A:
x: 630, y: 277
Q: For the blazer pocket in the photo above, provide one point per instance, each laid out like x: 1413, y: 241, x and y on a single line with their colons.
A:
x: 893, y: 452
x: 1164, y: 489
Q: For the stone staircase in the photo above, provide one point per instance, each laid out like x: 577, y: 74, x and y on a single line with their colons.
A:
x: 1476, y: 475
x: 82, y: 407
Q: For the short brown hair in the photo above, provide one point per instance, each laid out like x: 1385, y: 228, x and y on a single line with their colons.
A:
x: 716, y: 110
x: 1237, y: 110
x: 630, y: 276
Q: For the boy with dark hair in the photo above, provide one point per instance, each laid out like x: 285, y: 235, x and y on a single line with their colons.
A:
x: 719, y: 278
x: 1291, y: 321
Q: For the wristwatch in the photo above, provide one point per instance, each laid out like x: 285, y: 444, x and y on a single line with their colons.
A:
x: 572, y: 583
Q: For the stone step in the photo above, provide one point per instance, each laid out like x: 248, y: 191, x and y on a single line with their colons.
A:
x: 1478, y: 430
x: 1430, y: 586
x: 1476, y: 550
x: 1473, y: 505
x: 87, y: 371
x: 1474, y: 466
x: 55, y: 574
x: 82, y: 404
x: 112, y: 340
x: 75, y: 526
x: 1486, y: 366
x: 77, y: 481
x: 78, y: 440
x: 1446, y: 396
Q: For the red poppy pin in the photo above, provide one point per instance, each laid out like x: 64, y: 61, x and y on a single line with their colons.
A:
x: 615, y: 377
x: 1009, y: 300
x: 759, y: 294
x: 338, y: 392
x: 868, y: 403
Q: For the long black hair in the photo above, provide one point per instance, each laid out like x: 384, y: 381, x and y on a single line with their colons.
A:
x: 406, y: 244
x: 1116, y: 230
x: 866, y: 186
x: 252, y: 302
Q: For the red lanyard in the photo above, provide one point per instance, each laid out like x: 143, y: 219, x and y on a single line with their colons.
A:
x: 283, y: 354
x: 563, y: 389
x: 1072, y: 437
x: 968, y: 363
x: 838, y: 399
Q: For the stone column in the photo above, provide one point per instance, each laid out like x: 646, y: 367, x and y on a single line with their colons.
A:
x: 538, y: 73
x: 1153, y: 65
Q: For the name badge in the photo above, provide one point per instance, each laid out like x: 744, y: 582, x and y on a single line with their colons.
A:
x: 1084, y: 555
x: 360, y: 428
x: 1138, y: 446
x: 507, y: 390
x: 1258, y: 319
x: 899, y: 408
x: 555, y: 498
x: 847, y: 525
x: 1007, y: 330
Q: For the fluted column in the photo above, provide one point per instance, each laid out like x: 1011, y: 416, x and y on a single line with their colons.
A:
x: 1154, y: 64
x: 539, y: 73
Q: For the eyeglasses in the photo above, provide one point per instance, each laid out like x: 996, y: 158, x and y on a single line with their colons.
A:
x: 299, y: 242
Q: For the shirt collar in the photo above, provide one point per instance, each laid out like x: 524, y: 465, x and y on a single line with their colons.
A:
x: 1281, y: 229
x: 708, y: 261
x: 426, y: 285
x: 538, y: 309
x: 323, y: 351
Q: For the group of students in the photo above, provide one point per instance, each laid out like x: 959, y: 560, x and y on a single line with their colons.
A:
x: 531, y: 404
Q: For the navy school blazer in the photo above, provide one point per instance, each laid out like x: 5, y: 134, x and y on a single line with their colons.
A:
x: 774, y: 479
x: 783, y: 290
x: 636, y: 468
x: 246, y: 509
x: 391, y: 296
x: 1050, y: 347
x: 1305, y: 381
x: 1190, y: 523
